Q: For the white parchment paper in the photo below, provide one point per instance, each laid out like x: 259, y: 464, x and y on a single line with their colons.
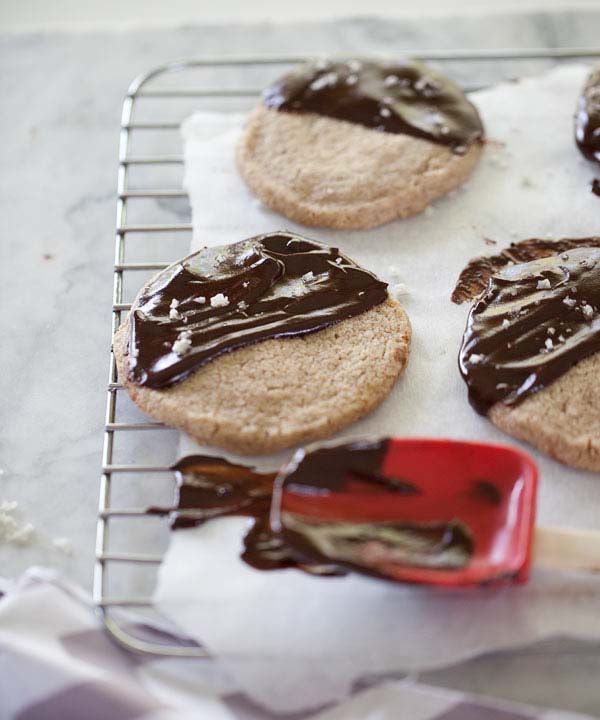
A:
x: 294, y: 641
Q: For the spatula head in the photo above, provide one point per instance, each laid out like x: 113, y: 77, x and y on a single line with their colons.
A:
x: 443, y: 512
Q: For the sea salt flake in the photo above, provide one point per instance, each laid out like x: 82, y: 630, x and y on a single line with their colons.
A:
x: 354, y: 65
x: 327, y: 80
x: 219, y: 300
x: 570, y: 302
x: 242, y: 305
x: 174, y: 314
x: 551, y: 331
x: 588, y: 311
x: 174, y: 303
x: 475, y: 359
x: 200, y: 299
x: 549, y: 344
x: 351, y: 79
x: 505, y: 323
x: 309, y: 276
x: 390, y: 80
x: 183, y: 344
x: 385, y: 112
x: 544, y: 284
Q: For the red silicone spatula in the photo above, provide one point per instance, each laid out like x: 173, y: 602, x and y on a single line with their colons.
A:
x: 442, y: 512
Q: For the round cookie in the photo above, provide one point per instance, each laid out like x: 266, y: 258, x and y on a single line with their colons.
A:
x: 280, y: 392
x: 531, y: 349
x: 262, y: 344
x: 322, y: 169
x: 562, y: 420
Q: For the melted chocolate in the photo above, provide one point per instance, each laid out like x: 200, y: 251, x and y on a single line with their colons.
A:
x: 587, y: 117
x: 345, y: 474
x: 219, y: 299
x: 475, y: 277
x: 595, y: 186
x: 405, y: 98
x: 211, y: 487
x: 535, y: 321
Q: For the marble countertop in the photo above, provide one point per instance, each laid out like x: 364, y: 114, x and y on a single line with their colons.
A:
x: 62, y: 96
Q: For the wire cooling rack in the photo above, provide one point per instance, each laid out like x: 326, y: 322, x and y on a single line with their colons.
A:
x: 153, y: 229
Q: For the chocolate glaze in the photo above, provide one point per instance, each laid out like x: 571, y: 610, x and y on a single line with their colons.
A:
x: 534, y: 322
x: 587, y: 117
x: 270, y: 286
x: 365, y: 545
x: 474, y: 278
x: 405, y: 98
x: 595, y: 186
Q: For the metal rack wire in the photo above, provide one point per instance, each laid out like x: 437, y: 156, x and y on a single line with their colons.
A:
x: 181, y: 84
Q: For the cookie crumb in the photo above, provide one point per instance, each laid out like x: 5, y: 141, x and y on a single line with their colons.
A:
x: 399, y: 289
x: 11, y: 531
x: 63, y: 545
x: 219, y: 300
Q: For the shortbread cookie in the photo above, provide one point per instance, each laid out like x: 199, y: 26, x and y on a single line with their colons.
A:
x: 531, y: 351
x: 354, y: 145
x: 587, y: 117
x: 262, y: 344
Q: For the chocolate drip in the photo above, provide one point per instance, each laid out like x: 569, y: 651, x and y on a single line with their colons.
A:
x: 402, y: 98
x: 587, y: 117
x: 350, y: 472
x: 474, y: 278
x: 219, y: 299
x: 535, y: 321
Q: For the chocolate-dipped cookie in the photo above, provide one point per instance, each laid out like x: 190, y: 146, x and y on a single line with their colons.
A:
x: 531, y: 351
x: 261, y: 344
x: 358, y: 143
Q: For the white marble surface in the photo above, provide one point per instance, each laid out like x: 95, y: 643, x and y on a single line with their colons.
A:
x: 61, y: 97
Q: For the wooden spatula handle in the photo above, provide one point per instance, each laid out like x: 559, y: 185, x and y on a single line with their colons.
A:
x: 566, y: 548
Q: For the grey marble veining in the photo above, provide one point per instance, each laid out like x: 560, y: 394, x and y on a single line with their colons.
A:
x: 61, y: 99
